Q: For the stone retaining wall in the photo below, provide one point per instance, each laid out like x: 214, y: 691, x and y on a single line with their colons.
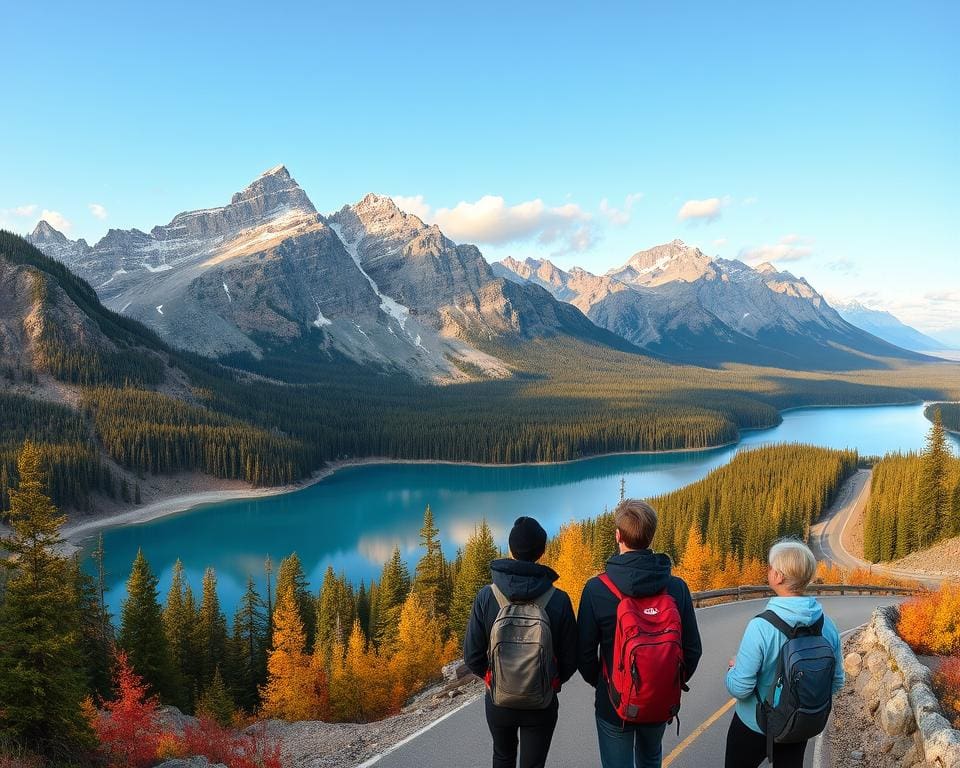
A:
x: 897, y: 691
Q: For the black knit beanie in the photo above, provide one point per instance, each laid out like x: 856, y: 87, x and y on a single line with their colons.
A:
x: 528, y: 540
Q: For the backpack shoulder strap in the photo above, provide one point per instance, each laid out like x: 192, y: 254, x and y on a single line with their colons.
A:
x: 816, y: 629
x: 608, y: 583
x: 545, y: 598
x: 501, y: 598
x: 771, y: 618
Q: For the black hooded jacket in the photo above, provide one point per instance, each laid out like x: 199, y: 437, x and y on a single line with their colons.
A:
x: 636, y: 573
x: 522, y: 581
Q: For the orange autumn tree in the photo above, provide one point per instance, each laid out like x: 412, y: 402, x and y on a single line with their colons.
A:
x: 930, y: 622
x: 419, y: 649
x: 697, y: 564
x: 361, y: 683
x: 573, y: 561
x: 296, y: 686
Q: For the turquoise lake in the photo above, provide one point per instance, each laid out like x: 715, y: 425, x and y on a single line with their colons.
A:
x: 353, y: 519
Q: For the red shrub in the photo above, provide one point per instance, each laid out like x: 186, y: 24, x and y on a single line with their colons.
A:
x: 235, y: 750
x: 947, y: 683
x: 128, y: 729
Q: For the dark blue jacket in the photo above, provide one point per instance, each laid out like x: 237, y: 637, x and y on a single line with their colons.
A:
x: 522, y: 581
x: 636, y: 573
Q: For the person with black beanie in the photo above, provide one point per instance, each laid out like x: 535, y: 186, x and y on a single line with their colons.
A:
x: 522, y: 580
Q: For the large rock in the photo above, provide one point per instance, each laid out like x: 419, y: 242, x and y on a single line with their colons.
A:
x: 876, y: 661
x: 852, y: 664
x: 896, y: 717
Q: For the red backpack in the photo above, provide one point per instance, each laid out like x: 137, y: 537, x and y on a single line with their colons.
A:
x: 648, y: 672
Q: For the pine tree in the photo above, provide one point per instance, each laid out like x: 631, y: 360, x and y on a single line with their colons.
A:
x: 211, y: 629
x: 216, y: 702
x: 430, y: 576
x: 291, y: 576
x: 604, y: 545
x: 142, y: 633
x: 391, y: 592
x: 95, y: 632
x: 472, y: 575
x: 249, y: 643
x: 41, y: 671
x: 178, y: 623
x: 933, y: 520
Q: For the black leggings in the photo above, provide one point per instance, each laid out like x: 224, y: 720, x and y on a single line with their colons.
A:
x: 747, y: 749
x: 532, y: 729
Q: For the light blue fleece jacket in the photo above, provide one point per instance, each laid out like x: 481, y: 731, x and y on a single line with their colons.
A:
x: 756, y: 662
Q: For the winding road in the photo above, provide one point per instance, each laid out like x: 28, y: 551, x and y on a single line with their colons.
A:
x: 461, y: 740
x: 829, y: 540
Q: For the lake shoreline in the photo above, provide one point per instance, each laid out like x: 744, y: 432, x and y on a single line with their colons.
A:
x: 86, y: 527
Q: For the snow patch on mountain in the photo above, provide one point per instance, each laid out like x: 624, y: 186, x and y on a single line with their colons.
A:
x: 389, y: 306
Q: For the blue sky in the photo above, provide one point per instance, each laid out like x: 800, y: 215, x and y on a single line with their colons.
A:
x: 825, y: 136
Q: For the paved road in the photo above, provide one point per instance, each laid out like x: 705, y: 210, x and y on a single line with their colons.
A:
x: 828, y: 537
x: 462, y: 740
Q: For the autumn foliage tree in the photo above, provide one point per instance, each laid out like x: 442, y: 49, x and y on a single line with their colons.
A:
x: 419, y: 649
x: 296, y: 688
x: 128, y: 729
x: 573, y: 561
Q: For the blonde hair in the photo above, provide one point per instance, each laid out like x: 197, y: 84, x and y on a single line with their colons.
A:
x: 795, y: 561
x: 637, y: 522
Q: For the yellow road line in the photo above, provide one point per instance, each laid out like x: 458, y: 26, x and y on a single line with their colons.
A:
x: 698, y: 732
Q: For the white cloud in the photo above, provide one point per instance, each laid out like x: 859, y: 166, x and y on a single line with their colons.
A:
x: 98, y: 210
x: 414, y: 204
x: 56, y: 220
x: 751, y: 200
x: 490, y: 220
x: 620, y: 216
x: 701, y: 210
x: 25, y: 210
x: 790, y: 247
x: 720, y: 241
x: 933, y: 312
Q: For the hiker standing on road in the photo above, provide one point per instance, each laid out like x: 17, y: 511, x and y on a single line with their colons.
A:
x: 639, y: 614
x: 787, y: 669
x: 522, y: 640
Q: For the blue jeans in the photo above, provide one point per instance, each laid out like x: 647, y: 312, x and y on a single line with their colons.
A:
x: 634, y: 745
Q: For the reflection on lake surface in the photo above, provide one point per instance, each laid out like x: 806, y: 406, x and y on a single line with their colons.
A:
x: 353, y: 519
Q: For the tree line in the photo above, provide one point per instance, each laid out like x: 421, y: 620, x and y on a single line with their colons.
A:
x: 914, y: 499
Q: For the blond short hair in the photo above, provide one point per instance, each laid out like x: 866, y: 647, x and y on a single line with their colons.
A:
x: 795, y: 561
x: 637, y: 522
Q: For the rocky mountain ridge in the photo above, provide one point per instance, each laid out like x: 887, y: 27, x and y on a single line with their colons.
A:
x: 676, y: 301
x: 266, y: 272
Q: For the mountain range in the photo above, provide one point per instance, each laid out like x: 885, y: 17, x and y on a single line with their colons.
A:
x: 266, y: 274
x: 886, y: 326
x: 267, y: 271
x: 675, y: 301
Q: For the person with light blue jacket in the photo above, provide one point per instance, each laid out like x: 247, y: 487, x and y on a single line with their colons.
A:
x: 791, y: 567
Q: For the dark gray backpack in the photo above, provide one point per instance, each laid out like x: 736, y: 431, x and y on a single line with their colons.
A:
x: 521, y: 661
x: 804, y: 678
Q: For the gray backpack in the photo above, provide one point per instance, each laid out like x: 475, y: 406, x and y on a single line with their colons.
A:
x: 521, y: 663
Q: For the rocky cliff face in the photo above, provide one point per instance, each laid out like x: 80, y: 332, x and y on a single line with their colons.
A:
x: 676, y: 301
